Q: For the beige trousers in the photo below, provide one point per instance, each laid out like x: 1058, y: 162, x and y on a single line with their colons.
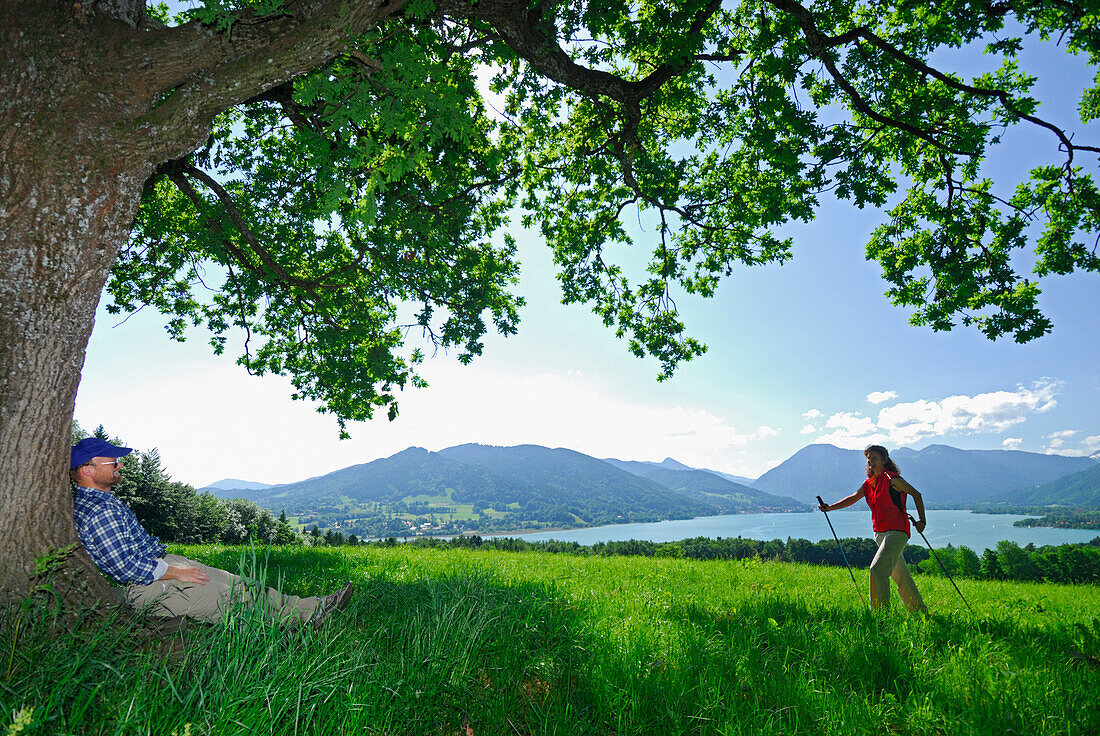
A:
x: 208, y: 602
x: 889, y: 563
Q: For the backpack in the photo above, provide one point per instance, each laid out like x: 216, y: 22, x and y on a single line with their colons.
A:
x: 895, y: 496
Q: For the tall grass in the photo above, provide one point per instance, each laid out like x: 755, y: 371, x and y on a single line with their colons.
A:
x: 466, y: 641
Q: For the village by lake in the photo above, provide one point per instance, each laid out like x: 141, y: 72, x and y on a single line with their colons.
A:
x: 958, y: 528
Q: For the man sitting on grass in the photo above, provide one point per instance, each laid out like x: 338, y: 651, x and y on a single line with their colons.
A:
x: 172, y: 585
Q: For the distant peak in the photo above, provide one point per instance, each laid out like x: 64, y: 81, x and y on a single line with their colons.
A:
x: 668, y: 462
x: 236, y: 484
x: 414, y: 450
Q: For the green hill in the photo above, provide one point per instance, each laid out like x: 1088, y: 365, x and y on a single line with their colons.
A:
x: 1080, y: 490
x: 411, y: 472
x: 583, y: 485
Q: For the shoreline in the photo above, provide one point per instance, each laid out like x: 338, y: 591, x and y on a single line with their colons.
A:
x: 519, y: 533
x: 512, y: 533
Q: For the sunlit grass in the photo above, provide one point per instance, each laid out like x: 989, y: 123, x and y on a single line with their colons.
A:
x: 460, y: 641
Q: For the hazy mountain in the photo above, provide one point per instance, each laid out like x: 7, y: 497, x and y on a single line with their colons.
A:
x: 231, y: 484
x: 634, y: 466
x: 1079, y: 490
x: 735, y: 478
x: 670, y: 464
x: 945, y: 476
x: 706, y: 486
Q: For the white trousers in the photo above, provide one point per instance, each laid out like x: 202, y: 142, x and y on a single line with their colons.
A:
x: 889, y: 563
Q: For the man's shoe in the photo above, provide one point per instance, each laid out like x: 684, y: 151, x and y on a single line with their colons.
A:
x: 330, y: 603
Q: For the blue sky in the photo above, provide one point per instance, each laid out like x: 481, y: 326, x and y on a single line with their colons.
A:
x: 810, y: 351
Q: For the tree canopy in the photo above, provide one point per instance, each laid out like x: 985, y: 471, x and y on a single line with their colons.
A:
x: 333, y: 213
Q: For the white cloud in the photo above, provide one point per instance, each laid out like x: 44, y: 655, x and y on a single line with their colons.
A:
x: 1064, y: 434
x: 852, y: 423
x: 851, y: 431
x: 1012, y: 443
x: 808, y: 429
x: 992, y: 412
x: 811, y: 414
x: 1066, y: 452
x: 911, y: 422
x: 877, y: 397
x: 1056, y: 444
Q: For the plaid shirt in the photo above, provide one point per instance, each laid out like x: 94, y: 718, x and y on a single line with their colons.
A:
x: 113, y: 537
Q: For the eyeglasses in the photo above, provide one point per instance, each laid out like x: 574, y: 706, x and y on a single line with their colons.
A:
x: 116, y: 462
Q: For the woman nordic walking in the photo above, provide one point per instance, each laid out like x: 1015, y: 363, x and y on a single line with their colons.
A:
x: 885, y: 491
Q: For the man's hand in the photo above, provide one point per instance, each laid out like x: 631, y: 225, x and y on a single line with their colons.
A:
x: 186, y: 574
x: 920, y: 526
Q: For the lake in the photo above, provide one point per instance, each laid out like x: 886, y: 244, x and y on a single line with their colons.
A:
x: 977, y: 531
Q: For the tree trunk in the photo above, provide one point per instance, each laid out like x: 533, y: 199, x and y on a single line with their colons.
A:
x: 67, y: 199
x: 60, y: 237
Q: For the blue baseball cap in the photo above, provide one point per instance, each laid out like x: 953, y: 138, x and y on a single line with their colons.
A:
x: 90, y: 447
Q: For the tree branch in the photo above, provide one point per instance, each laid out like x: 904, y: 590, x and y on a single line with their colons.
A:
x: 530, y: 36
x: 200, y: 72
x: 1002, y: 95
x: 819, y: 44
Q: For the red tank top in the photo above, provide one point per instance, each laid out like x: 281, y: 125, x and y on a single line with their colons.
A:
x: 886, y: 516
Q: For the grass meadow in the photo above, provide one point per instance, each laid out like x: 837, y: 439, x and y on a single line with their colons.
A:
x: 462, y: 642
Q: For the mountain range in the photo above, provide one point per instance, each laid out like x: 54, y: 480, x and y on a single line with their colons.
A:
x: 670, y: 464
x: 562, y: 486
x: 1079, y: 490
x: 557, y: 486
x: 703, y: 485
x: 947, y: 477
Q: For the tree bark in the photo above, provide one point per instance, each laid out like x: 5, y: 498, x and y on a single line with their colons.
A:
x: 67, y: 198
x: 84, y: 121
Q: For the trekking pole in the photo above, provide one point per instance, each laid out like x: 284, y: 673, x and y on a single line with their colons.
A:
x: 941, y: 564
x: 838, y: 544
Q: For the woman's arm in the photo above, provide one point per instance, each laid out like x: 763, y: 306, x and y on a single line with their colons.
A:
x: 900, y: 484
x: 844, y: 502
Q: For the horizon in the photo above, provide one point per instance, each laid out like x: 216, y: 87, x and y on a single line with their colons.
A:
x: 213, y: 484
